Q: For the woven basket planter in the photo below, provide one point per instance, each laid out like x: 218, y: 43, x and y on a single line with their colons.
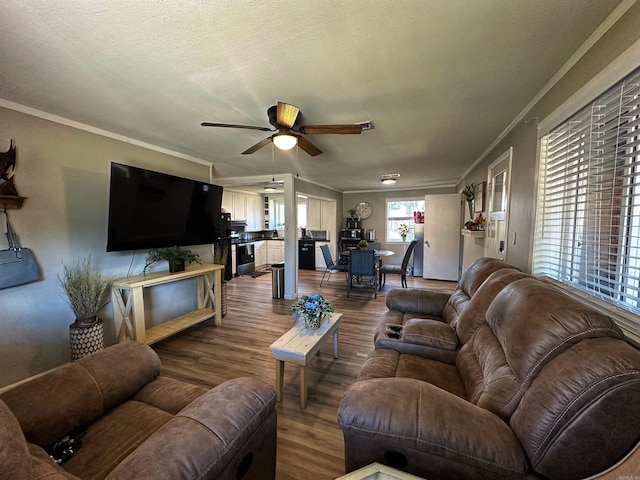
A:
x: 86, y: 340
x: 223, y: 292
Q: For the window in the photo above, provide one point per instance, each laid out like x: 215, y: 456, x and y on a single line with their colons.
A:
x: 588, y: 217
x: 399, y: 212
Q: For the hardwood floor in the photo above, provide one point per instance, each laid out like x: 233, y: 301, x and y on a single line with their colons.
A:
x: 310, y: 443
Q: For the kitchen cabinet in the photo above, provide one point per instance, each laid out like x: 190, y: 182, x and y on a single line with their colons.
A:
x: 260, y: 253
x: 254, y: 213
x: 275, y: 251
x: 327, y: 215
x: 313, y: 214
x: 244, y: 206
x: 321, y: 214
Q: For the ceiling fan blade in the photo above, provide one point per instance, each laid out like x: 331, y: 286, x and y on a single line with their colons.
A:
x: 230, y: 125
x: 257, y: 146
x: 308, y: 147
x: 287, y: 114
x: 338, y: 129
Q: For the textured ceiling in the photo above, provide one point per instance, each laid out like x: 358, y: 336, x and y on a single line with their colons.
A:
x: 439, y: 79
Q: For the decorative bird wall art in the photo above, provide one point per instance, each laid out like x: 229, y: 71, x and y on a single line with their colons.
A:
x: 8, y: 162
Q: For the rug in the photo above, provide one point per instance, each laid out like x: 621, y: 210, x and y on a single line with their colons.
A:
x: 258, y: 273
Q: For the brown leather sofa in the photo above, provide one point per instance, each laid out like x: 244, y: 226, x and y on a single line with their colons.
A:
x: 139, y: 425
x: 426, y: 322
x: 546, y: 388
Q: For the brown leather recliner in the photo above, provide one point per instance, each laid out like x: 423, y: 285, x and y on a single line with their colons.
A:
x: 425, y: 322
x: 546, y: 388
x: 139, y: 425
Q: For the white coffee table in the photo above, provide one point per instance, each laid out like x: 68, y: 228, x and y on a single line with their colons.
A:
x: 299, y: 345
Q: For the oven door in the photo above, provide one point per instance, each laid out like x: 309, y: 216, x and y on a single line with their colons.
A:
x: 245, y: 258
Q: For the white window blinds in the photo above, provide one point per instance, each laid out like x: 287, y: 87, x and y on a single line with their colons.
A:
x: 588, y: 216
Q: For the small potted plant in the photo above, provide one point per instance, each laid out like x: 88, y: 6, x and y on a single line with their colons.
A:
x: 363, y: 244
x: 177, y: 257
x: 312, y: 308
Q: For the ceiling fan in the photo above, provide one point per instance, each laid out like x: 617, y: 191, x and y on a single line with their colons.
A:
x: 283, y: 117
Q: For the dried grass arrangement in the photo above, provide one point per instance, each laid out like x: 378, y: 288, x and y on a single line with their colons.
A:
x: 85, y: 289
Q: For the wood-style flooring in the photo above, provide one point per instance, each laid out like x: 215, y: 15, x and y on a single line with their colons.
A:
x: 310, y: 443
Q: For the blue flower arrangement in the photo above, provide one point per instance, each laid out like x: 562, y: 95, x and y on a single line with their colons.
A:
x: 312, y: 308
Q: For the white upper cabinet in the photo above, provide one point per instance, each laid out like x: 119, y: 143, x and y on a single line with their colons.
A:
x: 313, y: 214
x: 244, y: 206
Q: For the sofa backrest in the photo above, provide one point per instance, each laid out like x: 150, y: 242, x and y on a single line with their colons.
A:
x: 47, y: 412
x: 474, y: 313
x: 471, y: 280
x: 581, y: 414
x: 527, y: 325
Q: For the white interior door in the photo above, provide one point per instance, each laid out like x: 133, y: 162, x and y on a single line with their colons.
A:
x: 441, y: 237
x: 497, y: 227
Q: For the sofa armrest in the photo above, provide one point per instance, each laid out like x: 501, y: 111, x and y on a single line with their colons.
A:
x: 413, y: 300
x: 424, y: 430
x: 228, y: 429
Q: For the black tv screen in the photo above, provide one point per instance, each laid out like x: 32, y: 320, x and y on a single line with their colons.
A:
x: 152, y: 210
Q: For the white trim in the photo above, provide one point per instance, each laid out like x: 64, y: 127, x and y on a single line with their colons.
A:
x: 422, y: 187
x: 619, y: 68
x: 508, y: 156
x: 598, y: 33
x: 98, y: 131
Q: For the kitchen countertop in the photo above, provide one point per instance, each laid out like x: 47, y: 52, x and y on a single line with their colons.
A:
x: 254, y: 240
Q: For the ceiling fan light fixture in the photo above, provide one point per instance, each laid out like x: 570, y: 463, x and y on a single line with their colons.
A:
x: 269, y: 189
x: 284, y: 141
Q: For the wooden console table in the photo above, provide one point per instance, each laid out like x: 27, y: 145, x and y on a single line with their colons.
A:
x: 127, y: 296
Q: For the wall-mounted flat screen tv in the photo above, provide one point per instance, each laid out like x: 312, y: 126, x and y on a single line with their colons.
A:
x: 150, y: 209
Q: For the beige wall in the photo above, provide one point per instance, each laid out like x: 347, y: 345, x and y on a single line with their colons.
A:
x: 64, y: 173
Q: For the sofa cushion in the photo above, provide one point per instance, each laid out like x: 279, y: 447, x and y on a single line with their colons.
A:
x: 169, y: 394
x: 93, y: 385
x: 474, y: 315
x: 586, y: 400
x: 524, y: 332
x: 431, y: 333
x: 390, y: 363
x: 113, y: 436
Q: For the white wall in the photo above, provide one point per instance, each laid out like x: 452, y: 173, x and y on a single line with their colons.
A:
x: 64, y: 173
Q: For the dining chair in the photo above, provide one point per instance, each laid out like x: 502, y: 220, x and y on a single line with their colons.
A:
x: 331, y: 265
x: 399, y: 269
x: 362, y: 263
